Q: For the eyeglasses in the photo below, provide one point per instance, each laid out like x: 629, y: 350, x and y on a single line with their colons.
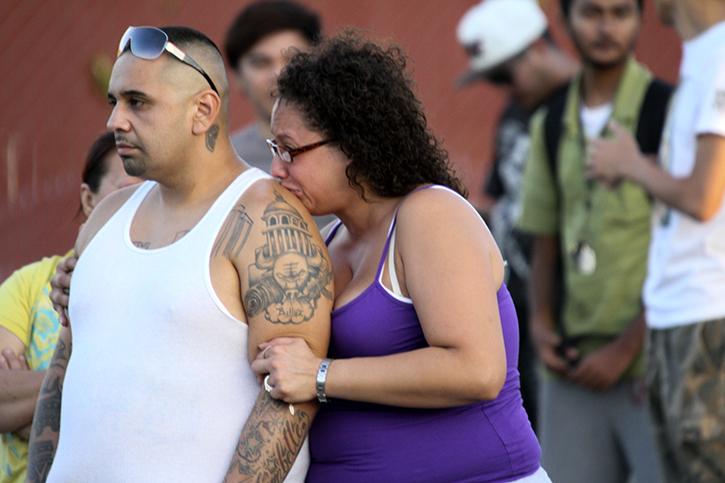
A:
x: 287, y: 155
x: 150, y: 42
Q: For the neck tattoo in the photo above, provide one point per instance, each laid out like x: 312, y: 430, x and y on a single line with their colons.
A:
x: 211, y: 137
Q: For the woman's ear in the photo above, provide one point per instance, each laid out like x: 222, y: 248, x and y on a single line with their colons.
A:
x: 88, y: 199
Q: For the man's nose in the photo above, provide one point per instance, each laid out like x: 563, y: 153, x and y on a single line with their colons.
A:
x: 117, y: 121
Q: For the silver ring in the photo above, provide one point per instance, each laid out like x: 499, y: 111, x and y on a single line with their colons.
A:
x: 267, y: 386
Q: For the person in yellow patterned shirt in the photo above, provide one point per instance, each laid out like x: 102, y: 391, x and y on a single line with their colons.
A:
x: 29, y: 326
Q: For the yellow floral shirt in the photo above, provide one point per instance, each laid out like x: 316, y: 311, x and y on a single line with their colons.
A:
x: 26, y: 311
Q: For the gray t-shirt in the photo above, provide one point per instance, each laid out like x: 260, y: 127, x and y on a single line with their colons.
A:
x: 252, y: 148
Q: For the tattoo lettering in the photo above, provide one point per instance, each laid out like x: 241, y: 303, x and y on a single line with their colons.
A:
x: 269, y: 443
x: 211, y: 136
x: 142, y: 244
x: 234, y: 234
x: 289, y: 274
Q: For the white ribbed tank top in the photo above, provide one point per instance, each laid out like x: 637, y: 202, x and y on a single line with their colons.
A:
x: 158, y: 386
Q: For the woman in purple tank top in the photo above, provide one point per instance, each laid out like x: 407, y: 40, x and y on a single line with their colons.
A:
x: 421, y: 383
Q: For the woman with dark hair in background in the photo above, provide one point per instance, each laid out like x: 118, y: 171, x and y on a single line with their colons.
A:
x: 29, y: 326
x: 422, y: 383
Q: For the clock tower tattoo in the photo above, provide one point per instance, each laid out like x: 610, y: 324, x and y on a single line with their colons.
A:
x: 289, y: 274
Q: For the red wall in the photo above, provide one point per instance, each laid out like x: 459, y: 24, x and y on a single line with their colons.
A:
x: 51, y: 108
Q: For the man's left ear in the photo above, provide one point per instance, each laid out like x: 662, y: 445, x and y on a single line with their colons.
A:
x: 208, y: 107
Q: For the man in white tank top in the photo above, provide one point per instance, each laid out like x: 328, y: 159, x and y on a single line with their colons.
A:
x: 178, y: 283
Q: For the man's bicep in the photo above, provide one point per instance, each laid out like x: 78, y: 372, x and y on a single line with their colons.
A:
x: 287, y: 288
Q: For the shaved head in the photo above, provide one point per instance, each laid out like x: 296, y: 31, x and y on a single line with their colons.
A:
x: 189, y: 81
x: 207, y: 55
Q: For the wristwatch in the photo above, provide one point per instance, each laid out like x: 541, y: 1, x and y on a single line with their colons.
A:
x: 322, y: 379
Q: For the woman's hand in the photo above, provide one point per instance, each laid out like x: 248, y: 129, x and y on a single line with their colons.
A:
x: 292, y: 369
x: 60, y: 284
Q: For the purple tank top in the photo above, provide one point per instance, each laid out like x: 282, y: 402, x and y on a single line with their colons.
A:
x: 361, y: 442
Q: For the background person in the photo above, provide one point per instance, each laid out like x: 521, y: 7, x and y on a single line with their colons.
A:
x: 686, y: 275
x: 594, y: 422
x: 509, y: 46
x: 29, y: 326
x: 258, y: 45
x: 216, y: 258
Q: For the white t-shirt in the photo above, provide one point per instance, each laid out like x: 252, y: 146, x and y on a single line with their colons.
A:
x: 686, y: 277
x: 594, y: 119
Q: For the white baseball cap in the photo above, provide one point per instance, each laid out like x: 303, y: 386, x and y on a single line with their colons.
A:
x: 496, y: 30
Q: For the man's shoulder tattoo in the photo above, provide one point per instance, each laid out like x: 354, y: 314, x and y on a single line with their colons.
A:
x: 290, y: 273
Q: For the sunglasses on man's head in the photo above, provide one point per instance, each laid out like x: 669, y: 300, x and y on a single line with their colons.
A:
x: 150, y: 42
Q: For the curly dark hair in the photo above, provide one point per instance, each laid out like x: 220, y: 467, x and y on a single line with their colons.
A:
x: 358, y: 94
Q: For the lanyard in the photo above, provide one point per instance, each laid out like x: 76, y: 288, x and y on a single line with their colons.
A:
x: 583, y: 254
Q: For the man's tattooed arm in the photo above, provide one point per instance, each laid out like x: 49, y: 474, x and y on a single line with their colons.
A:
x: 270, y: 441
x: 291, y: 274
x: 46, y: 422
x: 287, y: 291
x: 234, y: 233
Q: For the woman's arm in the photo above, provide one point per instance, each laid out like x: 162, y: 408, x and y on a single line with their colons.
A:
x: 19, y: 386
x: 452, y: 271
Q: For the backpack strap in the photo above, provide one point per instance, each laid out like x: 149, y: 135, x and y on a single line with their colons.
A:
x: 552, y: 127
x: 652, y: 116
x: 552, y: 135
x: 650, y: 125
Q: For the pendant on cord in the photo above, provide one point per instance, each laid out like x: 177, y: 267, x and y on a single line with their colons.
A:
x: 585, y: 258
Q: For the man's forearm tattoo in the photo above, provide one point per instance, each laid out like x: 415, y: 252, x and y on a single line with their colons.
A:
x: 46, y: 422
x: 211, y: 136
x: 40, y: 460
x: 234, y: 233
x: 47, y: 412
x: 269, y: 443
x: 290, y: 273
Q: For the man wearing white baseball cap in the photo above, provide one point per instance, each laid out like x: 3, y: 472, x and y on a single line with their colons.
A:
x: 509, y: 46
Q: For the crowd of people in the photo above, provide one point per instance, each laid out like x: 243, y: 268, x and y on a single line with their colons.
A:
x: 312, y: 298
